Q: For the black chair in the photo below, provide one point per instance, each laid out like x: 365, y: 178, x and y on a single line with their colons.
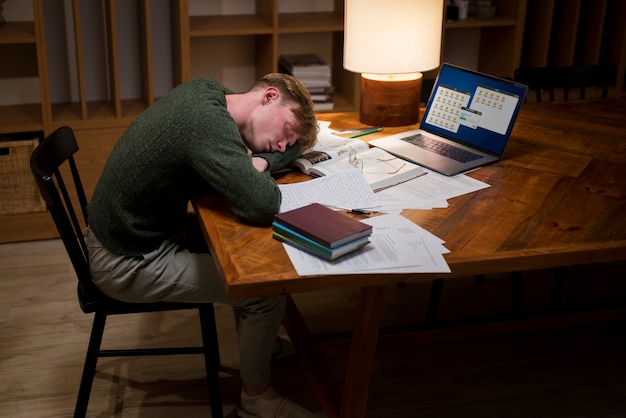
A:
x: 563, y: 78
x: 56, y: 151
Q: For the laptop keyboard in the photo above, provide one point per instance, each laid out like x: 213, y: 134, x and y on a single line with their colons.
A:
x: 459, y: 154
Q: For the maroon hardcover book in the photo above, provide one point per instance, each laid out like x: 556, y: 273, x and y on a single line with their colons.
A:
x: 323, y: 225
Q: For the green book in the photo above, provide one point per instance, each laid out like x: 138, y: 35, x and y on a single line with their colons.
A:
x: 288, y: 236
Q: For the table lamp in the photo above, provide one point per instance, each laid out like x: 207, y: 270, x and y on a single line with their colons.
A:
x: 389, y: 42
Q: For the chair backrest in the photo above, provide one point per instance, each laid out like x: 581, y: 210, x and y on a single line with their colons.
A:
x: 578, y: 77
x: 49, y: 164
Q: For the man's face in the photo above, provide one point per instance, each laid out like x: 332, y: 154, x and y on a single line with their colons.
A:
x: 270, y: 127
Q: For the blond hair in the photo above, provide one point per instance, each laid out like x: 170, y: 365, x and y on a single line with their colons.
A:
x: 293, y: 92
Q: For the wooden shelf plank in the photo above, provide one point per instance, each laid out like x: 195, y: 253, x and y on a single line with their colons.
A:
x: 98, y: 112
x: 21, y: 118
x: 474, y: 22
x: 228, y: 25
x: 146, y: 63
x: 70, y: 112
x: 180, y: 41
x: 310, y: 22
x: 78, y: 53
x: 114, y: 55
x: 18, y: 33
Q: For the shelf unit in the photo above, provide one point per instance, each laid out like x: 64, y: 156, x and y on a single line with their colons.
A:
x: 268, y: 28
x: 501, y: 37
x: 86, y: 52
x: 25, y: 41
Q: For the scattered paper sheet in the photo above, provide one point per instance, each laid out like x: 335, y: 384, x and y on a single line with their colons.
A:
x: 426, y: 192
x: 397, y: 246
x: 347, y: 190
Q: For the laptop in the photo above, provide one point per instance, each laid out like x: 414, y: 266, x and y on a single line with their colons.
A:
x: 467, y: 122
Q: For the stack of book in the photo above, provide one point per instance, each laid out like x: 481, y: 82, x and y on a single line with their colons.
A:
x: 320, y: 231
x: 314, y: 73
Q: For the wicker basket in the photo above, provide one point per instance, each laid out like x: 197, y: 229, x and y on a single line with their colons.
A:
x: 18, y: 190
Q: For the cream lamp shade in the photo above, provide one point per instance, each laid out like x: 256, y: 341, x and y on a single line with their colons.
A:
x: 390, y: 42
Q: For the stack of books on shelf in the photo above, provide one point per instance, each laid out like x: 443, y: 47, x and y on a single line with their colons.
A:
x: 314, y: 73
x: 320, y: 231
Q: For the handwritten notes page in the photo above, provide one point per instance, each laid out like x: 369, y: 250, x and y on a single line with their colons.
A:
x: 348, y: 190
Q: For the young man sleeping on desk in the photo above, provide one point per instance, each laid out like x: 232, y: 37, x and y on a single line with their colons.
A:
x: 191, y: 142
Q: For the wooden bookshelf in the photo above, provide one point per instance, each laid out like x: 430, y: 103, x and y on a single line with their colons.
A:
x: 501, y: 37
x: 267, y: 27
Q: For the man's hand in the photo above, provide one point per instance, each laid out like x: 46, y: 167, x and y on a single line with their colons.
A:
x: 260, y: 164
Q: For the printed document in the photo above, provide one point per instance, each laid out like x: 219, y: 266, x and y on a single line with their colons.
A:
x: 425, y: 192
x: 397, y: 246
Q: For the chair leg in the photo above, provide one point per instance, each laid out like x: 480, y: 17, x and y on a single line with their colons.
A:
x: 211, y: 357
x: 89, y: 369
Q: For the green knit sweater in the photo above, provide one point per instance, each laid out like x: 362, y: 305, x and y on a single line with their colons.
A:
x: 184, y: 145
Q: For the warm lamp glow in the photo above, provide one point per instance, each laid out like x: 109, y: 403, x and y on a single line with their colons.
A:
x: 391, y: 41
x: 392, y: 77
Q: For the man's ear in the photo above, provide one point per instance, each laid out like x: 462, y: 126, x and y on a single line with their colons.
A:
x: 271, y: 93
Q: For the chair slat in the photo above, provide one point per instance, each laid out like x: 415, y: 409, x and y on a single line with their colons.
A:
x: 579, y: 77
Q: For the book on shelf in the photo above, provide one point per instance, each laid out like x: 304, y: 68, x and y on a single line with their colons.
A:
x: 322, y: 95
x: 333, y: 154
x: 305, y: 66
x: 323, y: 105
x: 314, y: 74
x: 325, y: 226
x: 291, y: 237
x: 320, y: 92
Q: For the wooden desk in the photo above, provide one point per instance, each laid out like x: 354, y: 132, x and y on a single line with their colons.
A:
x: 558, y: 198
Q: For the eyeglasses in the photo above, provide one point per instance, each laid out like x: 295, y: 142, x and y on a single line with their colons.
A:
x: 356, y: 162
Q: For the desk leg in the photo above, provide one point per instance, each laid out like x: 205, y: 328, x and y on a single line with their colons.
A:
x: 362, y: 352
x: 324, y: 383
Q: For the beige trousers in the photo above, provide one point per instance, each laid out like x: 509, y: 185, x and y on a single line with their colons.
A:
x: 174, y: 273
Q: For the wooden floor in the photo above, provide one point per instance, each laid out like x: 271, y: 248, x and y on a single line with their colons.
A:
x: 574, y: 371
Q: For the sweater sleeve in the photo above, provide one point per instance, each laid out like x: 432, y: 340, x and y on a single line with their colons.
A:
x: 220, y: 157
x: 278, y: 160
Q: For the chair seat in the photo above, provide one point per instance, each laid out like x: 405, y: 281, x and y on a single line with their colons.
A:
x: 94, y: 300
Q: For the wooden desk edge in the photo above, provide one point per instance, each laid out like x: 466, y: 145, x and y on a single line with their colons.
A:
x: 287, y: 280
x: 464, y: 266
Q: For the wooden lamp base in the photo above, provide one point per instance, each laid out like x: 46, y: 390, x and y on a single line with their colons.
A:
x: 387, y: 101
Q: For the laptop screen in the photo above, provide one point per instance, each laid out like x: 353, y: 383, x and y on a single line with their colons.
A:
x: 472, y: 108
